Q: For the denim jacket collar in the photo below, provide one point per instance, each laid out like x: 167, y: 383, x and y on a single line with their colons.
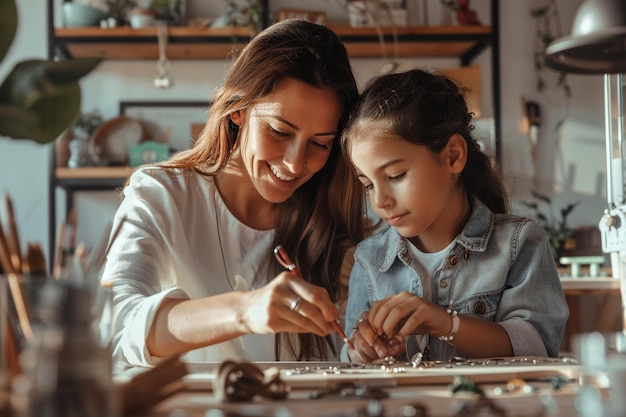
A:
x: 474, y: 236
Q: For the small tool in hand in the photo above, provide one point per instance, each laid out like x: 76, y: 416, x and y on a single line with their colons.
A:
x: 285, y: 261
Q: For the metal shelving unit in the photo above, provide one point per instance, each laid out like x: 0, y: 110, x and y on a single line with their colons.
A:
x: 462, y: 42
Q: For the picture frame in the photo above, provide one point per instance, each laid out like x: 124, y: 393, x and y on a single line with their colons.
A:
x: 174, y: 122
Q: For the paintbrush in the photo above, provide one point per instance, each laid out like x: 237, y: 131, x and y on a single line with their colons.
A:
x: 71, y: 225
x: 15, y: 287
x: 57, y: 269
x: 12, y: 344
x: 5, y: 253
x: 79, y: 260
x: 12, y: 352
x: 13, y: 236
x: 34, y: 262
x: 284, y: 260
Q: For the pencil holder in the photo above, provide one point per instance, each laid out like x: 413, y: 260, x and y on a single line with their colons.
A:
x: 57, y: 347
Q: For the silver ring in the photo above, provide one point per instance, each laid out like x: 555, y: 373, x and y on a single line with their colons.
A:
x: 295, y: 304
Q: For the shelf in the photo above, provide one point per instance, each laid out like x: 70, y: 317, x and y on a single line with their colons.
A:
x: 92, y: 178
x: 195, y: 43
x: 417, y: 41
x: 218, y: 43
x: 586, y: 285
x: 129, y: 43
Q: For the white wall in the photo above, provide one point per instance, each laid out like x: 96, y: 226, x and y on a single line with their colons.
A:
x: 571, y: 161
x: 24, y: 164
x: 575, y: 166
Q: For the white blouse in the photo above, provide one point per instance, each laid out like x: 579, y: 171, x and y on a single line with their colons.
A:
x: 179, y: 240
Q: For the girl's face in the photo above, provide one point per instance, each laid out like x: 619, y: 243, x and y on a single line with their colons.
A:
x: 411, y: 188
x: 286, y: 137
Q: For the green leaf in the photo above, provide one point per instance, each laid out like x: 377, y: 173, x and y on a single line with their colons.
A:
x: 541, y: 85
x: 46, y: 118
x: 568, y: 91
x: 31, y: 79
x: 547, y: 39
x: 12, y: 118
x: 559, y: 124
x: 567, y: 210
x: 540, y: 196
x: 540, y: 12
x: 8, y: 26
x: 45, y: 95
x: 531, y: 205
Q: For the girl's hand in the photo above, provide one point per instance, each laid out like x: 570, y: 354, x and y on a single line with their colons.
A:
x: 274, y: 307
x: 404, y: 314
x: 368, y: 345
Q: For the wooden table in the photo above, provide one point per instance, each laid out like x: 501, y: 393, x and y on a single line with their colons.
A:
x: 425, y: 388
x: 438, y: 401
x: 605, y: 317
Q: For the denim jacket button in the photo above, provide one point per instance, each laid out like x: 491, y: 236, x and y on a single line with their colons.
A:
x: 479, y: 307
x: 443, y: 284
x: 454, y: 260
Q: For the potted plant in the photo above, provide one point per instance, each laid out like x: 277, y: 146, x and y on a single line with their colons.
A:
x: 39, y: 99
x: 246, y: 13
x: 119, y: 10
x: 71, y: 148
x: 556, y: 227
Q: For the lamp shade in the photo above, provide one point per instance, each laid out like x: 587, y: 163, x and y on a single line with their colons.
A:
x: 598, y: 41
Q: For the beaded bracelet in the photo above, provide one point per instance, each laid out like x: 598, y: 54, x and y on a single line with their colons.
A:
x: 455, y: 327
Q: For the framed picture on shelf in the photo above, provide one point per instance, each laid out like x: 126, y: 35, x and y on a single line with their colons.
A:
x: 176, y: 123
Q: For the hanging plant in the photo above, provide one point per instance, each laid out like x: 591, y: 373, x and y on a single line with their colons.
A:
x: 547, y: 30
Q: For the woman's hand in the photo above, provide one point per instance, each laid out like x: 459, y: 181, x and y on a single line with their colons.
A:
x: 182, y: 325
x: 275, y: 307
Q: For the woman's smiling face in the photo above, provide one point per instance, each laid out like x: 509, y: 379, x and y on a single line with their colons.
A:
x: 286, y: 137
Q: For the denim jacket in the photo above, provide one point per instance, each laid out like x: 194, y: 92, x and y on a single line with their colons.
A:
x: 500, y: 269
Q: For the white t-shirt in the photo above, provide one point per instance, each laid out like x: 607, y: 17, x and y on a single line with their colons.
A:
x: 426, y: 265
x: 170, y: 246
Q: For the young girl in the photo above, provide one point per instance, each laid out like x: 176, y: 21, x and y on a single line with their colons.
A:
x: 452, y: 274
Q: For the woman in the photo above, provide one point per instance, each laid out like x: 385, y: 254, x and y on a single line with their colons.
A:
x: 192, y: 266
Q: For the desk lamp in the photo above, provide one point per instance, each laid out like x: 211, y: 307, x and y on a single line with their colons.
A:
x: 598, y: 46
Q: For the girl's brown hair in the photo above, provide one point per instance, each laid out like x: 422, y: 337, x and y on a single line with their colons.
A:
x: 426, y: 108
